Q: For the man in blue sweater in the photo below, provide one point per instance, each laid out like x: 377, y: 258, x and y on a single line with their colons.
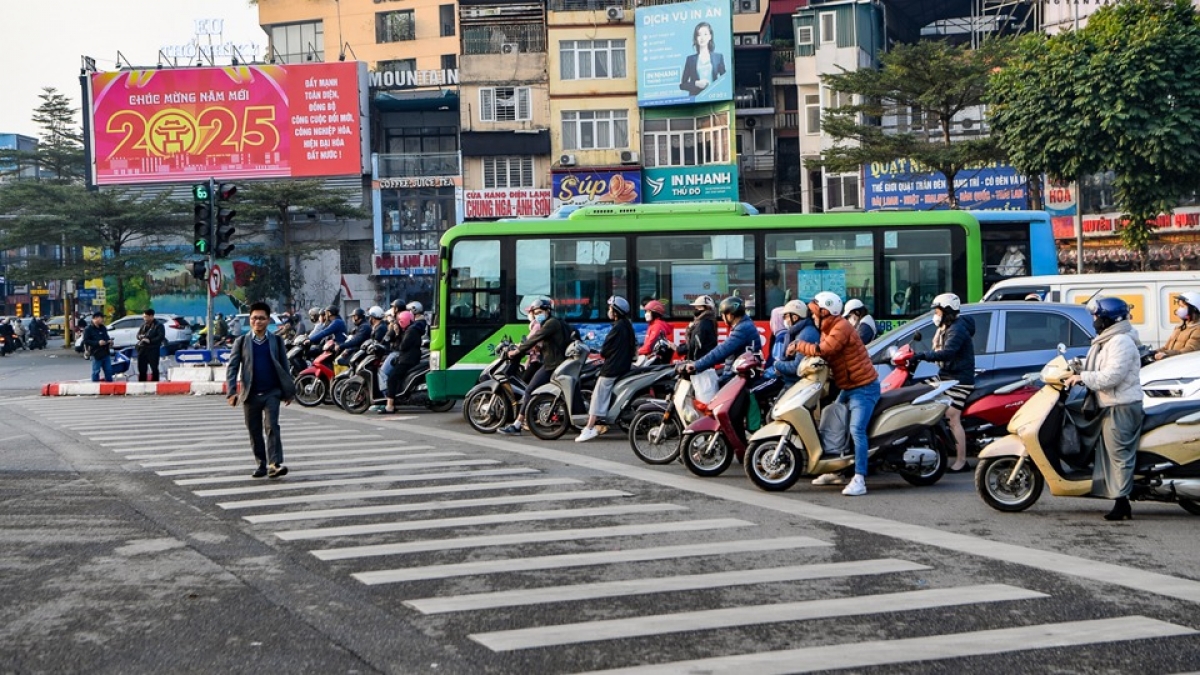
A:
x: 258, y: 362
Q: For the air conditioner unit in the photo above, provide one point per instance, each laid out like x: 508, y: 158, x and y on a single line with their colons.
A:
x: 567, y: 160
x: 629, y: 157
x: 616, y: 13
x: 510, y: 48
x: 747, y: 5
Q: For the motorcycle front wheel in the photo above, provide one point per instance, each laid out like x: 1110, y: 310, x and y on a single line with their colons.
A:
x: 993, y: 485
x: 774, y: 471
x: 548, y: 417
x: 486, y: 411
x: 310, y: 390
x: 653, y: 439
x: 356, y: 396
x: 706, y: 453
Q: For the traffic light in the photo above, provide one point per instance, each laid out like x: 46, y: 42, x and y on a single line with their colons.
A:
x: 202, y: 241
x: 225, y: 213
x: 199, y: 269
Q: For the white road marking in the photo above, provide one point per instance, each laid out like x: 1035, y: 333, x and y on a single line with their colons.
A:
x: 219, y: 456
x: 642, y: 586
x: 132, y: 444
x: 479, y: 541
x: 399, y: 492
x: 467, y: 521
x: 908, y: 650
x: 361, y: 468
x: 749, y: 615
x: 561, y: 561
x: 135, y: 432
x: 341, y: 459
x: 243, y: 448
x: 287, y: 484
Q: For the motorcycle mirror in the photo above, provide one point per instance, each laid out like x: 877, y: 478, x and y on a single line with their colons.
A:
x: 1062, y: 349
x: 916, y: 337
x: 891, y: 352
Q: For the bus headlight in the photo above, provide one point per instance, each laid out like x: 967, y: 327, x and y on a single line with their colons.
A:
x: 435, y: 360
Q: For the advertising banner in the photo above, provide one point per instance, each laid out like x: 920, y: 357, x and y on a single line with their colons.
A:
x: 585, y: 188
x: 685, y: 53
x: 507, y: 203
x: 260, y: 121
x: 710, y: 183
x: 903, y: 184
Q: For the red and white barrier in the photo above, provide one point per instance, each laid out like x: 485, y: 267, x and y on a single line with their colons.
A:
x: 87, y: 388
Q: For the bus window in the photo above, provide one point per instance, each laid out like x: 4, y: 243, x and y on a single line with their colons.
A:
x: 474, y: 285
x: 1005, y: 251
x: 676, y: 269
x: 810, y: 262
x: 917, y: 265
x: 578, y: 275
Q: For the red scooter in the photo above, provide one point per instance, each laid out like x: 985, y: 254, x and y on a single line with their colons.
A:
x: 314, y: 384
x: 710, y: 443
x: 988, y: 410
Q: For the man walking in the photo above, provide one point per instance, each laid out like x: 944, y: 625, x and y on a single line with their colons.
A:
x: 99, y: 345
x: 150, y: 338
x: 258, y: 361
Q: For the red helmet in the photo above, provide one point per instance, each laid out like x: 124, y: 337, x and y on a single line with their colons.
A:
x: 748, y: 364
x: 656, y: 307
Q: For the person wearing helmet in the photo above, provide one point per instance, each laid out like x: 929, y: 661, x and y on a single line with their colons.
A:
x: 856, y: 313
x: 319, y: 320
x: 551, y: 337
x: 379, y: 327
x: 1112, y: 373
x: 618, y: 352
x: 658, y: 329
x: 1186, y: 336
x: 220, y: 330
x: 742, y: 337
x: 800, y: 328
x: 335, y: 327
x: 954, y: 352
x: 408, y: 355
x: 533, y: 360
x: 701, y: 335
x: 416, y: 308
x: 358, y: 336
x: 852, y: 372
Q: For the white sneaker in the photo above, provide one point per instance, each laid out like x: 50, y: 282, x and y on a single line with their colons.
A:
x: 587, y: 435
x: 829, y: 479
x: 857, y: 487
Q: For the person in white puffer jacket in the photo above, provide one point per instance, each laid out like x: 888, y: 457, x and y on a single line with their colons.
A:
x: 1112, y: 370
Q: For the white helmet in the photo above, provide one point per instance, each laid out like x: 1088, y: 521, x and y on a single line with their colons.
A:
x: 796, y: 308
x: 375, y: 312
x: 704, y: 301
x: 1192, y: 299
x: 829, y: 301
x: 853, y: 304
x: 947, y: 301
x: 415, y: 307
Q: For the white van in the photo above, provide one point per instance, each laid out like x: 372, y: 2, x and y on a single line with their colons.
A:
x: 1151, y: 295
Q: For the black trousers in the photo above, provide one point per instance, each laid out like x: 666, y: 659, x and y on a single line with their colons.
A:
x: 396, y: 377
x: 262, y: 419
x: 148, y: 360
x: 542, y: 376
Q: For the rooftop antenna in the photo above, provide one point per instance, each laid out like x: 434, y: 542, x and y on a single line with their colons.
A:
x: 341, y: 41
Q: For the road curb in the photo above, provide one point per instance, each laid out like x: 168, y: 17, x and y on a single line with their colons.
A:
x: 87, y: 388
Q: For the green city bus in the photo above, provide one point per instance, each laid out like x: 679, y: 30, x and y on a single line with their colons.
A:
x: 895, y: 262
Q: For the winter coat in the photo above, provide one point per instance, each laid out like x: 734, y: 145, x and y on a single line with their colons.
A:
x: 785, y: 367
x: 657, y: 329
x: 241, y: 368
x: 1185, y: 338
x: 335, y: 329
x: 618, y: 349
x: 701, y: 336
x: 866, y: 329
x: 840, y: 346
x: 1112, y: 367
x: 362, y: 333
x: 551, y: 339
x: 92, y: 335
x: 742, y: 336
x: 954, y: 350
x: 410, y: 344
x: 154, y: 335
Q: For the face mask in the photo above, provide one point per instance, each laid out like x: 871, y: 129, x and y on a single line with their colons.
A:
x: 649, y: 316
x: 937, y: 319
x: 788, y: 323
x: 1099, y: 325
x: 698, y: 312
x: 540, y: 318
x: 1182, y: 313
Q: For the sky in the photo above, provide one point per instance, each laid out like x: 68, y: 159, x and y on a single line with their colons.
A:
x: 46, y: 40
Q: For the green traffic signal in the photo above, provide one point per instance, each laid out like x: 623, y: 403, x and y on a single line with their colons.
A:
x: 200, y: 192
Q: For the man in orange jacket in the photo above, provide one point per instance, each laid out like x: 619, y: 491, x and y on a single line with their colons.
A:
x: 852, y: 372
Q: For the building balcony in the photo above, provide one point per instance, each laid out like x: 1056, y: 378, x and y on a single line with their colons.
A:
x: 416, y: 165
x: 753, y: 101
x: 507, y: 39
x: 783, y: 60
x: 593, y: 5
x: 748, y: 164
x: 789, y: 119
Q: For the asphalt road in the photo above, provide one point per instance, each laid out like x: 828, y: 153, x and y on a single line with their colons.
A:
x: 133, y: 540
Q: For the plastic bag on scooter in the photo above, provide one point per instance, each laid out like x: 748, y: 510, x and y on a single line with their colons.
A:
x: 704, y: 385
x: 834, y: 430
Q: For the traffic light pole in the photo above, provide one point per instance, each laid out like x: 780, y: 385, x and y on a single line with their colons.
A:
x: 208, y: 316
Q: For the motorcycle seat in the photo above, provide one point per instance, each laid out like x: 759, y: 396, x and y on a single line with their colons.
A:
x: 1168, y: 413
x: 986, y: 390
x: 897, y: 397
x: 642, y: 370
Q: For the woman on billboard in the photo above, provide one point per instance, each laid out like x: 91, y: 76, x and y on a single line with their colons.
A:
x: 706, y: 65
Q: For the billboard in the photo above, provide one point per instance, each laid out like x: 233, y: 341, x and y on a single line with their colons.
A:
x: 259, y: 121
x: 709, y: 183
x: 685, y: 53
x: 585, y: 188
x: 507, y: 203
x: 903, y: 184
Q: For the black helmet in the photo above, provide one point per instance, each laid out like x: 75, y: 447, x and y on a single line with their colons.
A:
x: 542, y: 304
x: 333, y: 309
x: 359, y: 314
x: 732, y: 305
x: 398, y: 304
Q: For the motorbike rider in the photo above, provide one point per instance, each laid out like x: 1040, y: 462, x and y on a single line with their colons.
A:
x: 21, y: 333
x: 618, y: 353
x: 1112, y: 373
x: 533, y: 360
x: 288, y: 329
x: 850, y: 366
x: 658, y: 329
x: 6, y: 332
x: 360, y: 333
x: 220, y: 330
x: 701, y: 335
x: 412, y: 322
x: 800, y: 328
x: 856, y: 313
x: 742, y: 336
x: 954, y: 352
x: 334, y: 328
x: 315, y: 318
x: 1186, y: 336
x: 379, y: 327
x: 551, y: 338
x: 39, y: 332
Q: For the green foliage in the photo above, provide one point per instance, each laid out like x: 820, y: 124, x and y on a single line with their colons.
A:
x: 935, y: 77
x: 1121, y: 94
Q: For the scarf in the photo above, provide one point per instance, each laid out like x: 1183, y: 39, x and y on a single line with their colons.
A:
x: 1122, y: 327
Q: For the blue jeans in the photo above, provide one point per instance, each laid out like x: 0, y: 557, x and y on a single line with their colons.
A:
x: 861, y: 403
x: 105, y: 364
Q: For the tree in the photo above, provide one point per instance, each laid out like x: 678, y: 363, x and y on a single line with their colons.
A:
x: 1122, y: 95
x: 280, y: 202
x: 935, y: 78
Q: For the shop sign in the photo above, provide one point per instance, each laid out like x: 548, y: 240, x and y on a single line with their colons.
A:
x: 1110, y: 224
x: 585, y: 188
x: 409, y: 79
x: 905, y: 184
x: 712, y: 183
x: 508, y: 203
x: 420, y: 182
x: 409, y: 262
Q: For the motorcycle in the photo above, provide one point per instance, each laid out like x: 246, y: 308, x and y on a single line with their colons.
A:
x: 1013, y: 470
x: 297, y: 356
x: 314, y: 383
x: 493, y: 402
x: 365, y: 389
x: 710, y: 443
x: 360, y: 357
x: 656, y: 432
x: 563, y: 402
x: 906, y: 434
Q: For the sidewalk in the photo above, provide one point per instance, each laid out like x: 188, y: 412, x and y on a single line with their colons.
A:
x: 89, y: 388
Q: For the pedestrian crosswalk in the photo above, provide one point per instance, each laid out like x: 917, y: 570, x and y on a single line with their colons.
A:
x: 563, y: 570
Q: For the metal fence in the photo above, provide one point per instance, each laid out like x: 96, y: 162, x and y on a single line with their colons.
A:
x: 514, y: 38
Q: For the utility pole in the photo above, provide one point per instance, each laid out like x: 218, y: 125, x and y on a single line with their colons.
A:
x: 212, y: 219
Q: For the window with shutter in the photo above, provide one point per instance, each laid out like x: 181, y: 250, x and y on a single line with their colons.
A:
x: 487, y: 105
